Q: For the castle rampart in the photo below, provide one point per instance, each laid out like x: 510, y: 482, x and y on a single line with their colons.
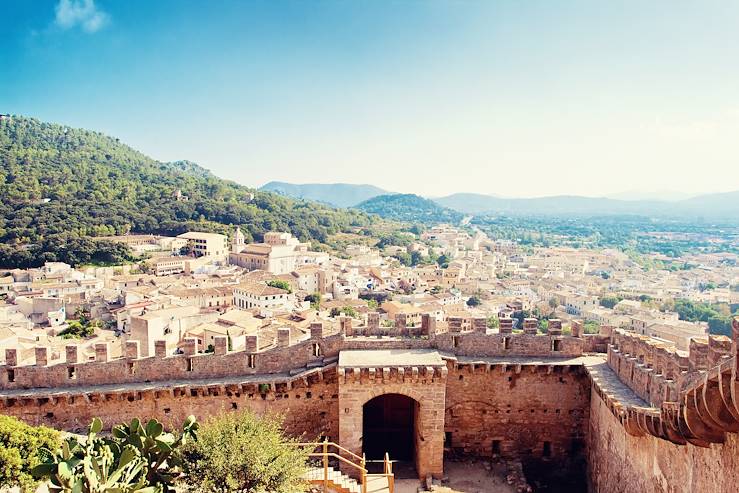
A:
x: 488, y: 392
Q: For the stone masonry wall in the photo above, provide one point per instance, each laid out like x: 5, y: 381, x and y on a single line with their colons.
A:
x: 425, y: 385
x: 309, y: 406
x: 517, y: 407
x: 619, y: 462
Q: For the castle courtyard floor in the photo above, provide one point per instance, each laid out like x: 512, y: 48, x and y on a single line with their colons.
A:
x: 464, y: 478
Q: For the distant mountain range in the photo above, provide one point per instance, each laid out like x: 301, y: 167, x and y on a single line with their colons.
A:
x: 409, y: 208
x: 708, y: 206
x: 336, y: 194
x: 717, y: 205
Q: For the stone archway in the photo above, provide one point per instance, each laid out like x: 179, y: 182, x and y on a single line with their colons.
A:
x: 424, y: 385
x: 389, y: 426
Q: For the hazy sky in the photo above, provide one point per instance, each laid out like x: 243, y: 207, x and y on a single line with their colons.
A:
x: 517, y: 98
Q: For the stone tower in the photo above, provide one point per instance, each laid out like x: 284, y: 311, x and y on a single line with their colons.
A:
x: 237, y: 243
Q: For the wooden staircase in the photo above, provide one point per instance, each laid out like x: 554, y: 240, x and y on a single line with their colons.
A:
x: 330, y: 479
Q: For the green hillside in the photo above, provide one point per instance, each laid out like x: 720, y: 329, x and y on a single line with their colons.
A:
x: 409, y: 208
x: 59, y: 186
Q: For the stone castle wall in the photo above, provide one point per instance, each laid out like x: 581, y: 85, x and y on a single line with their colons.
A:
x: 647, y: 417
x: 619, y: 462
x: 513, y: 410
x: 309, y: 405
x: 282, y: 355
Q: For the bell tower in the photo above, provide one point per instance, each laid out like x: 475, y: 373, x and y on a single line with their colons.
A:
x: 237, y: 243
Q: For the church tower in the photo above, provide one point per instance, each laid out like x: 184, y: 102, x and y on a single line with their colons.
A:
x: 237, y: 243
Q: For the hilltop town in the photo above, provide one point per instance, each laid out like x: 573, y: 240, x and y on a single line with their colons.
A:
x: 579, y: 342
x: 203, y: 285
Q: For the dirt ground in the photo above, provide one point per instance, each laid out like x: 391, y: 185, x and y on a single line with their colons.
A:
x: 464, y: 478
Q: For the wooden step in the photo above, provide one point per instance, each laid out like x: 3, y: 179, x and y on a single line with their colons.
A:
x: 337, y: 481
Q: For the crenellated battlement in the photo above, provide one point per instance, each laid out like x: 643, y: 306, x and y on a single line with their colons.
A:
x: 285, y: 355
x: 688, y: 397
x: 401, y: 374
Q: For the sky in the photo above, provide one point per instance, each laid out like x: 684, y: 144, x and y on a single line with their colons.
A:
x: 431, y: 97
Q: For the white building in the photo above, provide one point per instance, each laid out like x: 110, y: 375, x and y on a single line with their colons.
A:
x: 207, y: 244
x: 263, y: 297
x: 280, y: 253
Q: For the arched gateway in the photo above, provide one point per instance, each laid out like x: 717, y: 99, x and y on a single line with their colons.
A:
x: 389, y: 426
x: 393, y: 401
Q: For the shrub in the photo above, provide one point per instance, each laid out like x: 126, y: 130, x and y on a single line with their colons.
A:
x: 19, y: 450
x: 242, y: 452
x: 474, y: 301
x: 137, y: 458
x: 280, y: 284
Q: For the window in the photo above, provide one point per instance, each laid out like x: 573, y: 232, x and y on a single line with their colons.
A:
x: 252, y: 361
x: 11, y: 375
x: 556, y: 345
x: 496, y: 447
x: 71, y: 373
x: 316, y: 349
x: 506, y: 343
x: 455, y: 341
x: 547, y: 450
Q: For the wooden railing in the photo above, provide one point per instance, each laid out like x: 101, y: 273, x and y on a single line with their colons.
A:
x: 388, y: 469
x: 331, y: 450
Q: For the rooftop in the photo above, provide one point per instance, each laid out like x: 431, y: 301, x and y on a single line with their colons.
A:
x: 373, y: 358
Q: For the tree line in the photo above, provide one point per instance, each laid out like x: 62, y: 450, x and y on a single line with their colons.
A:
x: 61, y: 186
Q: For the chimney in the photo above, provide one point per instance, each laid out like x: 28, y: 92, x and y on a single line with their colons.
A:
x: 506, y: 325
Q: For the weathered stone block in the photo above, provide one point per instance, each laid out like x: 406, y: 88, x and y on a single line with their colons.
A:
x: 132, y: 350
x: 220, y: 345
x: 42, y: 355
x: 252, y: 343
x: 160, y: 349
x: 11, y: 357
x: 101, y: 352
x: 316, y: 330
x: 283, y: 337
x: 70, y: 351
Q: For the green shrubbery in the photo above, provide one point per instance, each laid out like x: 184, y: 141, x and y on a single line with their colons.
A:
x: 137, y: 457
x: 280, y: 284
x: 231, y: 452
x: 242, y: 452
x: 19, y: 450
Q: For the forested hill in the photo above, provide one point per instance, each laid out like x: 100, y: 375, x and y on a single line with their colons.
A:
x: 410, y: 208
x: 59, y: 186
